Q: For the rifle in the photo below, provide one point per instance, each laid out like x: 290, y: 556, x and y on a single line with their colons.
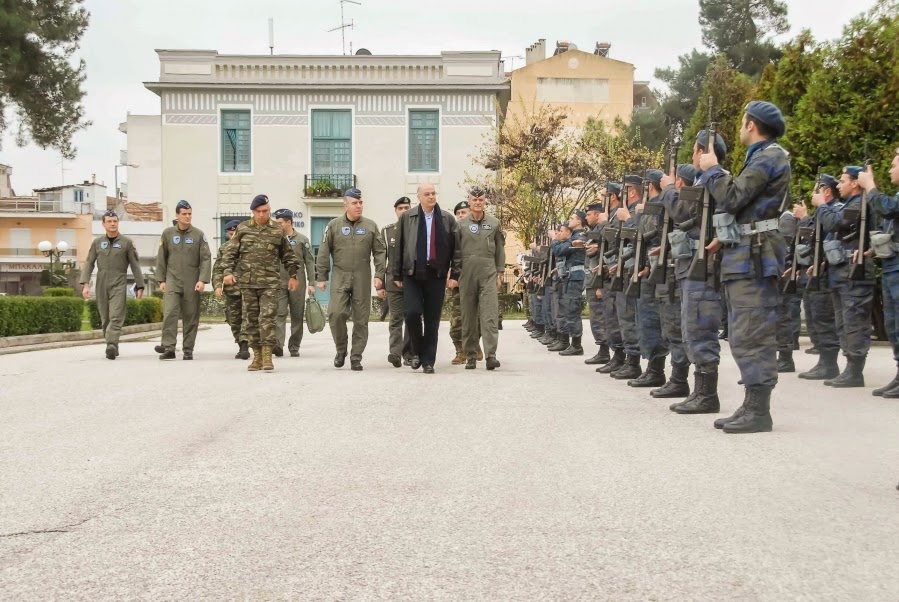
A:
x: 618, y: 278
x: 633, y: 285
x: 814, y: 281
x: 699, y: 268
x: 597, y: 236
x: 858, y: 265
x: 793, y: 278
x: 659, y: 273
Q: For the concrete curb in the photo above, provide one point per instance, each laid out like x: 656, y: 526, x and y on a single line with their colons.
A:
x: 67, y: 337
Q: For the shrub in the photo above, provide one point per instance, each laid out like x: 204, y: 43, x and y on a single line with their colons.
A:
x: 137, y: 311
x: 59, y: 292
x: 39, y: 315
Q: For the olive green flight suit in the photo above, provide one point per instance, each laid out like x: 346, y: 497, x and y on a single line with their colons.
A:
x: 233, y: 302
x: 351, y: 246
x: 183, y: 259
x: 112, y: 258
x: 481, y: 251
x: 400, y: 340
x: 295, y: 301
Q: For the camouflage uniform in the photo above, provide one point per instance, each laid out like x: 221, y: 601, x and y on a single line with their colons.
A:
x: 653, y: 345
x: 819, y: 310
x: 887, y: 209
x: 572, y: 259
x: 294, y: 302
x: 591, y: 284
x: 112, y: 258
x: 254, y: 257
x: 625, y: 306
x: 789, y: 306
x: 183, y: 260
x: 231, y: 294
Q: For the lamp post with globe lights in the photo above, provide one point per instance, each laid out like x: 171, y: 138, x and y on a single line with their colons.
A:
x: 46, y: 247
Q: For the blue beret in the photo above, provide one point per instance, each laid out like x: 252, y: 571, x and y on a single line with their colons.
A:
x: 768, y: 114
x: 614, y: 188
x: 580, y: 214
x: 828, y: 180
x: 232, y: 225
x: 461, y: 205
x: 258, y: 202
x: 182, y: 204
x: 655, y: 176
x: 594, y: 207
x: 403, y: 200
x: 853, y: 171
x: 702, y: 139
x: 687, y: 173
x: 283, y: 214
x: 353, y: 193
x: 633, y: 180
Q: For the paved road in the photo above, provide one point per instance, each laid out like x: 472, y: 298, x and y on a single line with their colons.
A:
x: 151, y: 480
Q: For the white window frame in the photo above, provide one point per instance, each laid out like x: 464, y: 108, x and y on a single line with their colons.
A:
x: 309, y: 143
x: 408, y: 109
x: 218, y: 132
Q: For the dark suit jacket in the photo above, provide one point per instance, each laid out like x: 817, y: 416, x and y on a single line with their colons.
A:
x: 403, y: 260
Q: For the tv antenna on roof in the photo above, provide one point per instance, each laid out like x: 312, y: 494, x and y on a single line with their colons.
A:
x: 344, y: 25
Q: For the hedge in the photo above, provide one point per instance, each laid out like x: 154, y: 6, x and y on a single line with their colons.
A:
x: 59, y: 292
x: 39, y: 315
x: 137, y: 311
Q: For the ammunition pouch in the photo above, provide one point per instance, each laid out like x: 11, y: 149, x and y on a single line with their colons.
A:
x: 833, y: 251
x: 681, y: 245
x: 727, y: 230
x: 804, y: 254
x: 883, y: 244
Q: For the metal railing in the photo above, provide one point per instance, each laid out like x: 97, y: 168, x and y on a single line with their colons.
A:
x: 327, y: 185
x: 38, y: 206
x: 25, y: 252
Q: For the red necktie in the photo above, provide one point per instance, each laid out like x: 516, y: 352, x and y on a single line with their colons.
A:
x: 432, y: 255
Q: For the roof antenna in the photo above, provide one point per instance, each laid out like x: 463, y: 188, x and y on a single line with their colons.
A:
x: 271, y: 35
x: 344, y: 25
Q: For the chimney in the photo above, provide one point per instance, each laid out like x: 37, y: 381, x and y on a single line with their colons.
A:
x: 535, y: 52
x: 602, y: 49
x: 93, y: 178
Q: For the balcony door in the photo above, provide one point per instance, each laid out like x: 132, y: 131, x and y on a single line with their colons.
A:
x: 332, y: 147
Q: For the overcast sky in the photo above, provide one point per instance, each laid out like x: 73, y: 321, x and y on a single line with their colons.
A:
x: 120, y: 42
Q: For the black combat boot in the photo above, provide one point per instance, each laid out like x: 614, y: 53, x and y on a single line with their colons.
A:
x: 654, y: 375
x: 538, y: 332
x: 706, y: 399
x: 813, y: 350
x: 601, y: 357
x: 616, y: 362
x: 573, y: 349
x: 528, y: 325
x: 890, y: 385
x: 278, y: 351
x: 756, y: 416
x: 825, y: 369
x: 720, y: 422
x: 243, y: 351
x: 561, y: 343
x: 852, y: 376
x: 785, y: 362
x: 677, y: 385
x: 630, y: 369
x: 697, y: 385
x: 549, y: 338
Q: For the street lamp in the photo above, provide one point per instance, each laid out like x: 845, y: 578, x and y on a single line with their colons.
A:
x: 117, y: 175
x: 46, y: 247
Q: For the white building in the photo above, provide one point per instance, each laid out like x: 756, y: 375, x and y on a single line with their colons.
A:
x: 143, y: 158
x: 302, y: 129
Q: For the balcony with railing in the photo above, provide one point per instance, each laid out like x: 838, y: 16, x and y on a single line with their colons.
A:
x: 33, y: 253
x: 42, y: 205
x: 323, y: 186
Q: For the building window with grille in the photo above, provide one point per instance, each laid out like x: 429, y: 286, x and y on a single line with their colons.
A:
x: 236, y: 141
x: 332, y: 148
x: 424, y: 140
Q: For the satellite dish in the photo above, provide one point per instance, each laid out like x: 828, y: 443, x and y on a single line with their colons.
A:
x: 363, y: 52
x: 572, y: 46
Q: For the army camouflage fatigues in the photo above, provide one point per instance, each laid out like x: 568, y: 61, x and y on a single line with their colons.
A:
x: 570, y: 264
x: 481, y: 254
x: 789, y: 321
x: 352, y: 245
x: 625, y: 306
x: 183, y: 260
x: 649, y: 320
x: 295, y: 301
x: 231, y: 296
x: 112, y: 258
x: 254, y: 257
x: 591, y: 284
x: 887, y: 209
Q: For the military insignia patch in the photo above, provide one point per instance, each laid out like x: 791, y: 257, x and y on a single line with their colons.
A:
x: 473, y: 228
x: 104, y: 245
x: 293, y: 243
x: 345, y: 230
x: 360, y: 230
x: 487, y: 227
x: 176, y: 239
x: 116, y: 245
x: 188, y: 241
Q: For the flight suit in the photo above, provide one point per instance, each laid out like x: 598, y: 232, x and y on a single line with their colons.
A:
x: 400, y: 340
x: 183, y: 260
x: 482, y: 253
x: 351, y: 245
x: 112, y: 258
x: 295, y: 301
x: 231, y: 296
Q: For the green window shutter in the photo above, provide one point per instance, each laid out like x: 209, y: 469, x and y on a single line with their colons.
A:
x: 424, y: 140
x: 236, y: 141
x: 332, y: 146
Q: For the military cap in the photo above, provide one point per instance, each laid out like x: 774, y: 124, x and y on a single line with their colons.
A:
x: 633, y: 180
x: 476, y: 191
x: 702, y: 139
x: 283, y: 214
x: 461, y: 205
x: 686, y: 172
x: 258, y: 202
x: 828, y: 180
x: 403, y: 200
x: 182, y: 204
x: 655, y: 176
x: 581, y: 214
x: 232, y: 225
x: 853, y: 170
x: 353, y: 193
x: 564, y: 225
x: 594, y: 207
x: 769, y: 115
x: 613, y: 187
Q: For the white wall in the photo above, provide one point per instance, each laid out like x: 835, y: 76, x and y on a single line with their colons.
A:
x: 144, y: 146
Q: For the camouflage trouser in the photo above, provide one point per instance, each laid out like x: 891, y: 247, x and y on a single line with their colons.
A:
x: 558, y: 315
x: 752, y: 318
x: 597, y: 318
x: 700, y: 319
x: 852, y: 304
x: 548, y: 307
x: 571, y: 307
x: 649, y: 323
x: 260, y: 312
x: 537, y: 309
x: 234, y: 315
x: 670, y: 315
x: 455, y: 317
x: 626, y: 308
x: 820, y: 319
x: 890, y: 284
x: 610, y: 309
x: 788, y: 321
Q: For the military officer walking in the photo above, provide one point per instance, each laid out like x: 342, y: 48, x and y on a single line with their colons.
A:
x: 112, y: 254
x: 183, y: 267
x: 400, y: 340
x: 231, y: 294
x: 294, y: 301
x: 481, y: 256
x: 253, y: 261
x: 350, y: 242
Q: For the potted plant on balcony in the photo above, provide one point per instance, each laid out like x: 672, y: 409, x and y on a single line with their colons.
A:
x: 320, y: 188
